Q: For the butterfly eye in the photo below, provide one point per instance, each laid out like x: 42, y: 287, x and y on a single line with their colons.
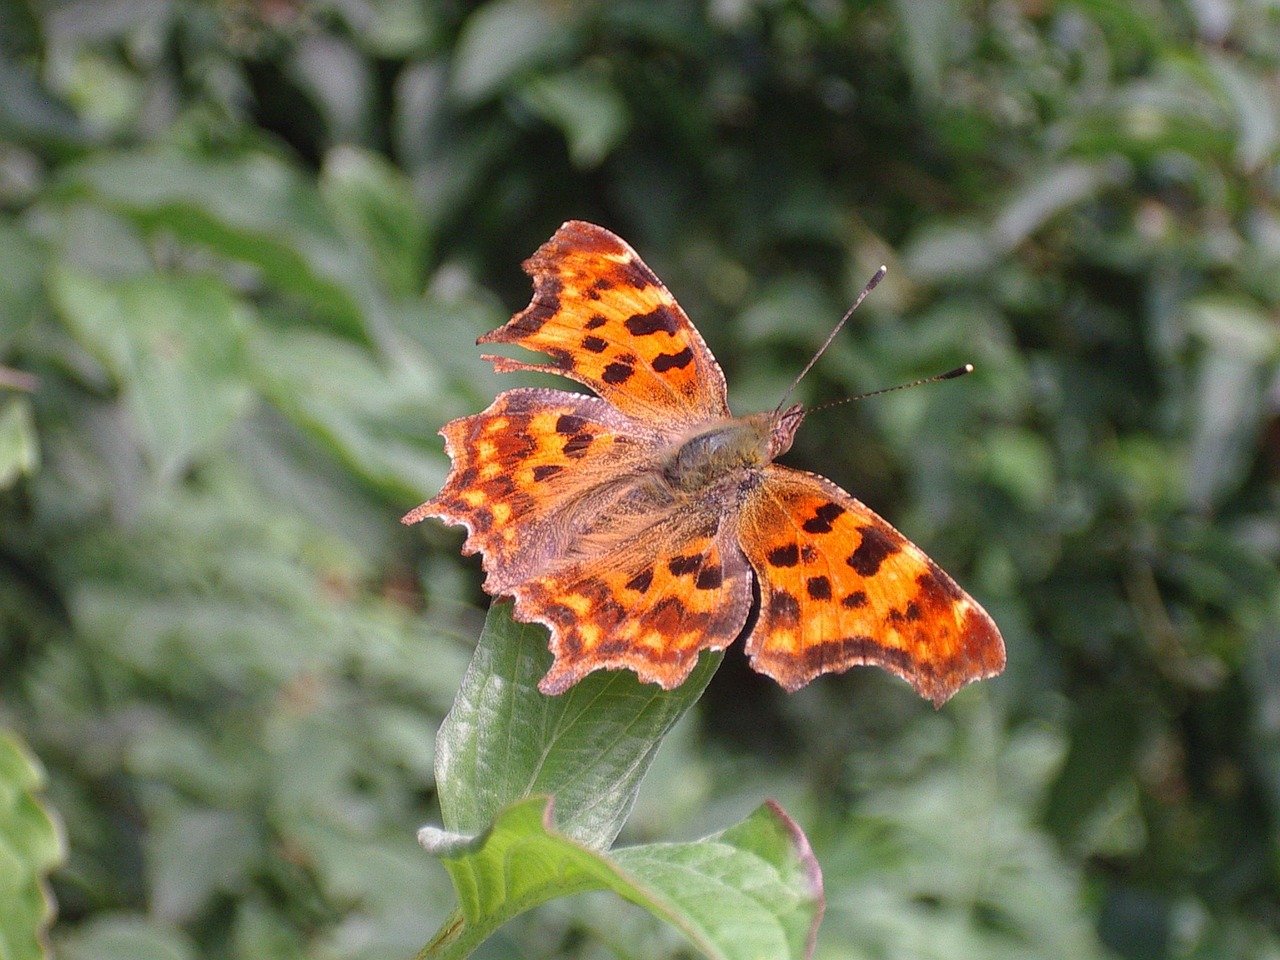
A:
x: 783, y: 434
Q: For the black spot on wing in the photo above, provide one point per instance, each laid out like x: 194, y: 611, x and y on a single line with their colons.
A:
x: 568, y: 423
x: 683, y: 566
x: 616, y: 373
x: 500, y: 486
x: 668, y: 613
x: 875, y: 548
x: 640, y: 582
x: 570, y: 639
x: 787, y: 556
x: 822, y: 518
x: 709, y: 578
x: 481, y: 520
x: 577, y: 445
x: 673, y: 361
x: 819, y: 588
x: 659, y: 319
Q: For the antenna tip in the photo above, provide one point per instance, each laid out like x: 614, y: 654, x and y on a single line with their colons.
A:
x: 873, y: 282
x: 957, y: 372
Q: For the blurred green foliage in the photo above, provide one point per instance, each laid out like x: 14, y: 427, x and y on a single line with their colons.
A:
x: 30, y: 847
x: 247, y: 247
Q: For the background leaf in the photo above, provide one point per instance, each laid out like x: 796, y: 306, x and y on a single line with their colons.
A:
x: 499, y: 40
x: 256, y: 210
x: 31, y: 845
x: 19, y: 446
x: 174, y: 346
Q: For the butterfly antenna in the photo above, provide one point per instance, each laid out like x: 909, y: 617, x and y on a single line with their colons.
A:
x: 871, y: 285
x: 949, y: 375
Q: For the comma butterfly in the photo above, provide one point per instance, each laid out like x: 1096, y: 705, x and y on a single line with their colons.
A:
x: 647, y: 523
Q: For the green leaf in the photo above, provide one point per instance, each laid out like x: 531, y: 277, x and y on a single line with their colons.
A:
x: 125, y: 937
x: 755, y: 889
x: 928, y: 33
x: 374, y: 201
x: 222, y: 842
x: 1094, y: 766
x: 1240, y: 345
x: 366, y: 412
x: 941, y: 250
x: 19, y: 445
x: 1255, y: 106
x: 173, y: 345
x: 20, y: 280
x: 586, y: 108
x: 500, y: 40
x: 752, y: 891
x: 588, y: 748
x: 255, y: 210
x: 1021, y: 463
x: 1044, y: 196
x: 30, y: 846
x: 29, y: 114
x: 938, y: 855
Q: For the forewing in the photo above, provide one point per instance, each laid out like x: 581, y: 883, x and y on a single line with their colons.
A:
x: 839, y: 586
x: 675, y: 586
x: 606, y: 321
x: 530, y: 475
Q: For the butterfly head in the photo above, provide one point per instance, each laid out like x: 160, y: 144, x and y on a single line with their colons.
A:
x: 783, y: 427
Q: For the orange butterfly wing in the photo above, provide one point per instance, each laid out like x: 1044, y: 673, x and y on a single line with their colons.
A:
x: 531, y: 477
x: 839, y: 587
x: 606, y: 321
x: 648, y: 600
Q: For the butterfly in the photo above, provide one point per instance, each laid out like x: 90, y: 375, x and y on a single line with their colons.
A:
x: 647, y: 523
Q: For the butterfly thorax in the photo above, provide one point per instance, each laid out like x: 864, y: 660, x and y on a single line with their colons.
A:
x: 725, y: 447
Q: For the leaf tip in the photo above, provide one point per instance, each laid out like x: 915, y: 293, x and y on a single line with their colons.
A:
x: 809, y: 867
